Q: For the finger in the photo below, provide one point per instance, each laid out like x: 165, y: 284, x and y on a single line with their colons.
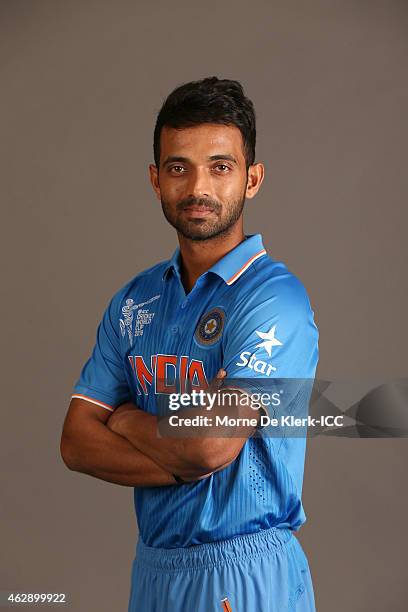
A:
x: 221, y: 373
x: 217, y: 381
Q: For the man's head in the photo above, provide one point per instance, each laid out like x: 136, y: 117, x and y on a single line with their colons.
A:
x: 204, y: 151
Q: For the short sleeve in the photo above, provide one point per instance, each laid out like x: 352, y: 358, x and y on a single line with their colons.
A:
x: 103, y: 379
x: 272, y: 336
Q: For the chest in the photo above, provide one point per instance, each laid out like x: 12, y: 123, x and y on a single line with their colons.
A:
x: 172, y: 342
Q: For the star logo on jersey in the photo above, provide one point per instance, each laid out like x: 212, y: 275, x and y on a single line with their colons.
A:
x: 269, y: 340
x: 250, y: 360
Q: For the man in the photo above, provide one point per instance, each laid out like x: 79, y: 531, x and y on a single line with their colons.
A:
x: 216, y: 514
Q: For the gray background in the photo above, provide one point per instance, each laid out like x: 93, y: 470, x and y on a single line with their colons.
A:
x: 81, y: 83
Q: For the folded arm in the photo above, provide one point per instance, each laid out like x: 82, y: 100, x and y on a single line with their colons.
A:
x: 90, y: 447
x: 197, y: 451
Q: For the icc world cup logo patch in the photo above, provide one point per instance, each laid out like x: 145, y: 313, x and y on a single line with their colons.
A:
x: 210, y: 326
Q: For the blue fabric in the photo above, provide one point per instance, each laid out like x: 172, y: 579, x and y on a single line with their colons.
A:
x: 265, y: 571
x: 153, y: 338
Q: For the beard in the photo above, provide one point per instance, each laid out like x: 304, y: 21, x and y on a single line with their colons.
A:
x: 204, y: 228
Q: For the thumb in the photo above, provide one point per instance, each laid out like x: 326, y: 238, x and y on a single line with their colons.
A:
x: 217, y: 381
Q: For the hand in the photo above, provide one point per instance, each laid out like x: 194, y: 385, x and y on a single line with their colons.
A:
x: 195, y: 478
x: 214, y: 385
x: 202, y: 477
x: 217, y: 381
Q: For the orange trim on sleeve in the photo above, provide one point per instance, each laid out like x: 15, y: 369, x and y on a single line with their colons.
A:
x: 94, y: 401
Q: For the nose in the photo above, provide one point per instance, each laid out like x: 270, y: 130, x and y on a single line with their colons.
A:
x: 199, y: 184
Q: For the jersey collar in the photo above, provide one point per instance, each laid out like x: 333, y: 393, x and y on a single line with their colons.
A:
x: 233, y: 264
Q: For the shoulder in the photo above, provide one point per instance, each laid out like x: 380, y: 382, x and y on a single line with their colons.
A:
x: 145, y: 287
x: 270, y: 309
x: 270, y: 283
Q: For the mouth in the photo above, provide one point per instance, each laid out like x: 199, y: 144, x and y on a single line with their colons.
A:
x: 198, y: 212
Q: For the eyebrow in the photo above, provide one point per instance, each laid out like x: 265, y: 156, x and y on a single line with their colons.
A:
x: 218, y: 157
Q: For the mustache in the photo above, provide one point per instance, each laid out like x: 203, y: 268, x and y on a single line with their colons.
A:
x: 199, y: 202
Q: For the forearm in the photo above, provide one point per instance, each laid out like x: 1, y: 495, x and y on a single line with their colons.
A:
x: 172, y: 454
x: 199, y: 450
x: 101, y: 453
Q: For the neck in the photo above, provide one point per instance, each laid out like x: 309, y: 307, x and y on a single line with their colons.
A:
x: 198, y: 256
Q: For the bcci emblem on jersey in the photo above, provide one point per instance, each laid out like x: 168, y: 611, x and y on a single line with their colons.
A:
x: 210, y: 326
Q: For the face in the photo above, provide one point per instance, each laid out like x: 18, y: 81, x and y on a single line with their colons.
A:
x: 202, y: 181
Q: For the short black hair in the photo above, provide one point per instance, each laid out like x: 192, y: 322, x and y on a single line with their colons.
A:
x: 210, y: 100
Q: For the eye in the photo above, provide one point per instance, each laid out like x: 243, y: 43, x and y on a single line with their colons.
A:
x: 222, y: 168
x: 177, y: 169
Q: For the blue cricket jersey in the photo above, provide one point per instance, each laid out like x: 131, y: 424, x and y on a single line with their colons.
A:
x: 247, y: 314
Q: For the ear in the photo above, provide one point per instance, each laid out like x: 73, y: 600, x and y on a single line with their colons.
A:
x: 154, y: 179
x: 256, y: 174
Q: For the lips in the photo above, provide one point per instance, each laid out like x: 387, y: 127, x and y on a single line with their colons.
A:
x: 198, y: 211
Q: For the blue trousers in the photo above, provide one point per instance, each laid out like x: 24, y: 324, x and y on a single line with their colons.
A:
x: 262, y: 572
